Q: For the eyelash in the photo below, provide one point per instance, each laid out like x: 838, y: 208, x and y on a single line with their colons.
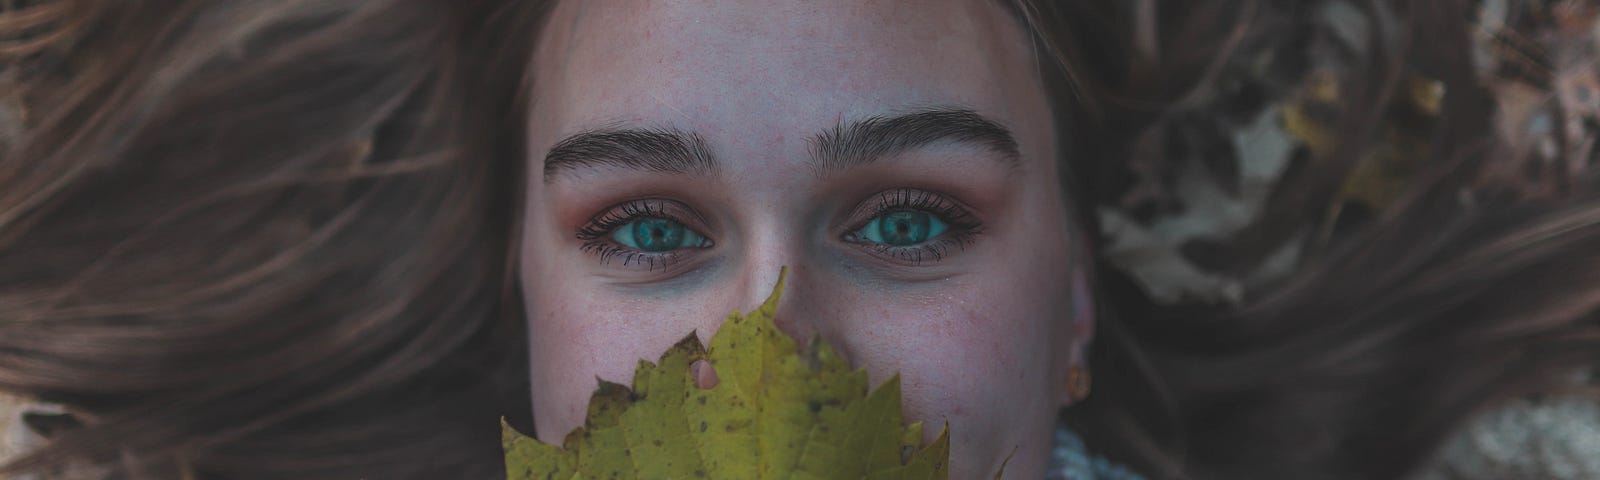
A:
x: 594, y: 234
x: 963, y: 226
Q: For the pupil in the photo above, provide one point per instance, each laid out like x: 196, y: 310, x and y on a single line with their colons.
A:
x: 904, y: 228
x: 658, y: 234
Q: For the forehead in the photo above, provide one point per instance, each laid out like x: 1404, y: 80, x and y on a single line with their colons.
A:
x: 778, y: 66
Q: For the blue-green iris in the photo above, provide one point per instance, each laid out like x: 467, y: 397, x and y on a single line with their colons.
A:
x: 902, y: 228
x: 657, y: 235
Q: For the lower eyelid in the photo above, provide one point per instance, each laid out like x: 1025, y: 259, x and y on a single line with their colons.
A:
x: 609, y: 253
x: 933, y: 250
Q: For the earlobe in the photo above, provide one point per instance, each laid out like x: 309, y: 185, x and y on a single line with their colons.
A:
x: 1078, y: 381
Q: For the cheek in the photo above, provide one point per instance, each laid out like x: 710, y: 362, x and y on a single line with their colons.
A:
x: 969, y: 342
x: 578, y: 333
x: 982, y: 351
x: 979, y: 357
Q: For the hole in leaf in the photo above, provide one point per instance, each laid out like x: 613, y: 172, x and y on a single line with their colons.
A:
x: 705, y: 376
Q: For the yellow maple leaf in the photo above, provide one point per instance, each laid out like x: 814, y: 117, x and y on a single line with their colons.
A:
x: 778, y: 411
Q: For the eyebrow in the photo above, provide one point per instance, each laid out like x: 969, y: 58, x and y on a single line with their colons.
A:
x: 651, y: 150
x: 842, y: 147
x: 867, y: 140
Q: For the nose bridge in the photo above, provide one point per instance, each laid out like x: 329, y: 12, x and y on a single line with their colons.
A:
x: 766, y: 267
x: 761, y: 281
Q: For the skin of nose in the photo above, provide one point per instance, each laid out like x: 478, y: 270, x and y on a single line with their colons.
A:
x: 759, y: 279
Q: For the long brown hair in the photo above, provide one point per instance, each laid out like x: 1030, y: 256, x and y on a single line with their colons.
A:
x: 273, y: 240
x: 260, y: 239
x: 1470, y: 288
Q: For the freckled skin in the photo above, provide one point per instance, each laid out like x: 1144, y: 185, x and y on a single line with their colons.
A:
x: 982, y: 338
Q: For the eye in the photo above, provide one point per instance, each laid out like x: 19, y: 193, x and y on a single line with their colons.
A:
x: 902, y: 228
x: 657, y: 235
x: 911, y: 226
x: 647, y: 233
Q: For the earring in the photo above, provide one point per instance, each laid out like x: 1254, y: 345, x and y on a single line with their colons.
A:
x: 1078, y: 383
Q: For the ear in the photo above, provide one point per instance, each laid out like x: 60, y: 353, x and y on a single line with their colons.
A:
x: 1080, y: 327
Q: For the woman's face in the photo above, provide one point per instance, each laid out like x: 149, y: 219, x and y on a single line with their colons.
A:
x: 899, y: 158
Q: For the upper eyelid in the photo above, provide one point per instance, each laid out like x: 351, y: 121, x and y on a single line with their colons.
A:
x: 674, y: 210
x: 954, y: 211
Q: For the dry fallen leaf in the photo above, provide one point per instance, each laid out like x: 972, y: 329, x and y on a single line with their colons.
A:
x: 779, y: 411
